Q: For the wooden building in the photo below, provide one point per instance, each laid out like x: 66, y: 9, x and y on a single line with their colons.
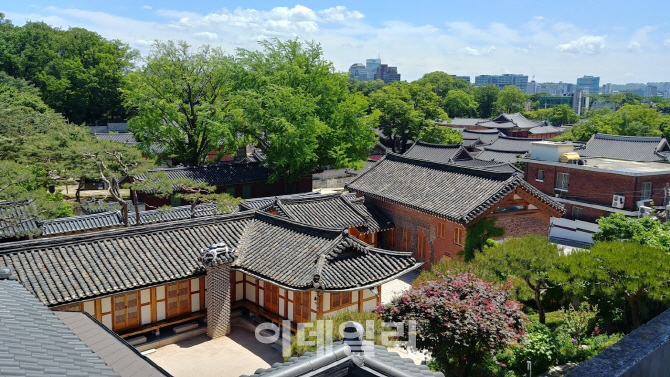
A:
x: 433, y: 204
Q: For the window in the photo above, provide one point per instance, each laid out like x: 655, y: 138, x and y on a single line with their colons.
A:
x: 562, y: 181
x: 507, y: 209
x: 540, y: 175
x: 301, y: 306
x: 440, y: 229
x: 405, y: 239
x: 421, y: 246
x: 340, y: 299
x: 178, y: 298
x: 458, y: 236
x: 125, y: 307
x: 576, y: 213
x: 246, y: 192
x: 392, y: 239
x: 646, y: 190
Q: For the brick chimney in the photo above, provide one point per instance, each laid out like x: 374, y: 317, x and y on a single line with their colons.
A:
x: 217, y: 260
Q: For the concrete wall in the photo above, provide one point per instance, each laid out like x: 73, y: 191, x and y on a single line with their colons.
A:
x: 644, y: 352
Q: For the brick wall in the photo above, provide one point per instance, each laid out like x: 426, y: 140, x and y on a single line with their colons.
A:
x: 523, y: 224
x: 597, y: 186
x: 587, y: 214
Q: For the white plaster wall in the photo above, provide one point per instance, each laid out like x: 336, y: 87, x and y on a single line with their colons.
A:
x: 160, y: 311
x: 106, y: 304
x: 195, y: 302
x: 250, y: 293
x: 350, y: 308
x: 160, y: 292
x: 354, y: 296
x: 369, y: 305
x: 261, y: 295
x: 145, y: 296
x: 239, y: 291
x: 107, y: 320
x: 89, y: 307
x: 312, y: 300
x: 368, y: 294
x: 326, y: 302
x: 290, y: 311
x: 145, y: 314
x: 195, y: 285
x: 281, y: 307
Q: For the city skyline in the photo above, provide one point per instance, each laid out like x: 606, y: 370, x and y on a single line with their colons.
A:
x: 551, y: 42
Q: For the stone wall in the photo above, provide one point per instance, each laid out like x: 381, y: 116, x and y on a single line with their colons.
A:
x: 218, y: 300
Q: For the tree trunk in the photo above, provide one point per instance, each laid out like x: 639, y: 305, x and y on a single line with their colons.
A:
x: 634, y: 310
x: 537, y: 290
x: 80, y: 186
x: 133, y: 193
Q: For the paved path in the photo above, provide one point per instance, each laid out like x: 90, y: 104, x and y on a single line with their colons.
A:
x: 240, y: 353
x: 394, y: 287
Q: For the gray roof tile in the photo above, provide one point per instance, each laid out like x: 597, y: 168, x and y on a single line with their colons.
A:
x: 17, y: 219
x: 48, y: 348
x: 438, y: 152
x: 220, y: 174
x: 632, y: 148
x: 451, y: 191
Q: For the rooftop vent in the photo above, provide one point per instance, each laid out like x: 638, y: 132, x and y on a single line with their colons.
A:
x: 6, y: 273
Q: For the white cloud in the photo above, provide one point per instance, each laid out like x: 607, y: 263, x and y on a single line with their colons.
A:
x: 339, y: 14
x: 666, y: 43
x: 478, y: 52
x: 634, y: 46
x: 208, y: 35
x: 149, y: 7
x: 588, y: 44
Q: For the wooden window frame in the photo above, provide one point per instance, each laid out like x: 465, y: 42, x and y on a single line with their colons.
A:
x: 564, y: 180
x: 459, y: 236
x: 421, y: 246
x: 125, y: 325
x: 271, y: 297
x: 169, y: 313
x: 645, y: 191
x: 405, y: 239
x: 576, y: 213
x: 441, y: 229
x: 302, y: 300
x: 340, y: 300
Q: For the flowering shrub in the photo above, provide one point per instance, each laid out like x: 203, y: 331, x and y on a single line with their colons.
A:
x: 460, y: 319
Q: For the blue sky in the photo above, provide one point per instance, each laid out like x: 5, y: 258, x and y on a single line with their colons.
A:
x: 620, y: 41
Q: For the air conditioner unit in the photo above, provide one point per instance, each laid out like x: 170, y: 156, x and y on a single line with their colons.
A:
x: 645, y: 211
x: 618, y: 200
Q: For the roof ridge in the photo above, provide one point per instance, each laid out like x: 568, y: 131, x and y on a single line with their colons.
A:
x: 19, y: 246
x: 645, y: 139
x: 435, y: 145
x: 486, y: 148
x: 312, y: 230
x: 348, y: 203
x: 444, y: 166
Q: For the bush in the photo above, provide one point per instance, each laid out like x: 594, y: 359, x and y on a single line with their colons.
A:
x: 538, y: 346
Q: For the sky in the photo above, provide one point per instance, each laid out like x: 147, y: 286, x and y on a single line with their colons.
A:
x: 620, y: 41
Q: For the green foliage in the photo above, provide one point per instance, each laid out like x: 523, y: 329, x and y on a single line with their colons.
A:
x: 77, y: 71
x: 440, y: 135
x: 487, y: 97
x: 299, y: 110
x: 556, y: 116
x: 578, y: 322
x: 510, y: 100
x: 643, y: 231
x: 442, y: 83
x: 478, y: 235
x: 181, y: 100
x: 617, y: 271
x: 458, y: 103
x: 405, y: 109
x: 528, y: 258
x: 334, y: 332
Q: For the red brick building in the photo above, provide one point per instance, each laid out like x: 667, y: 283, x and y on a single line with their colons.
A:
x: 433, y: 204
x: 597, y: 186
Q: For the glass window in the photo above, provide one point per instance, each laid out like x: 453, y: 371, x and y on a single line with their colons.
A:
x: 515, y: 208
x: 458, y: 236
x: 562, y: 181
x: 646, y: 190
x: 576, y: 213
x: 540, y: 175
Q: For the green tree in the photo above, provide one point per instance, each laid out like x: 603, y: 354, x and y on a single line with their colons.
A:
x: 299, y: 110
x: 562, y: 114
x: 478, y: 234
x: 486, y: 97
x: 644, y: 231
x: 440, y: 135
x: 442, y: 83
x: 78, y: 72
x: 458, y: 103
x: 617, y: 271
x: 181, y: 100
x: 529, y: 258
x: 404, y: 109
x: 511, y: 100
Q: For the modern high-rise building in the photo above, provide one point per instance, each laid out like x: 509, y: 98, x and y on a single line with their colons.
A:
x: 358, y: 71
x: 387, y: 74
x: 607, y: 89
x: 501, y: 81
x: 371, y: 66
x: 589, y: 84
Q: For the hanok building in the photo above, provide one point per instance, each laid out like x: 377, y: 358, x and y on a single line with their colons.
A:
x: 239, y: 179
x: 474, y: 140
x: 150, y: 279
x: 454, y: 153
x: 505, y: 149
x: 611, y: 174
x: 514, y: 125
x: 433, y: 204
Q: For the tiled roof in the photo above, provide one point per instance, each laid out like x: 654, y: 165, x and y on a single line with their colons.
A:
x: 489, y: 154
x: 17, y: 219
x: 268, y: 202
x: 505, y: 120
x: 450, y: 191
x: 486, y: 136
x: 333, y: 211
x: 542, y: 130
x: 502, y: 167
x: 125, y: 137
x: 123, y: 358
x: 438, y: 152
x: 511, y: 144
x: 466, y: 121
x: 81, y: 223
x: 632, y: 148
x: 35, y: 342
x: 220, y: 174
x: 79, y: 267
x: 339, y: 360
x: 173, y: 213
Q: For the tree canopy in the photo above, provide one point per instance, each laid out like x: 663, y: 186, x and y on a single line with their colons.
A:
x: 442, y: 83
x: 458, y: 103
x: 440, y: 135
x: 77, y: 72
x: 486, y: 97
x: 404, y: 109
x: 644, y: 231
x: 511, y: 100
